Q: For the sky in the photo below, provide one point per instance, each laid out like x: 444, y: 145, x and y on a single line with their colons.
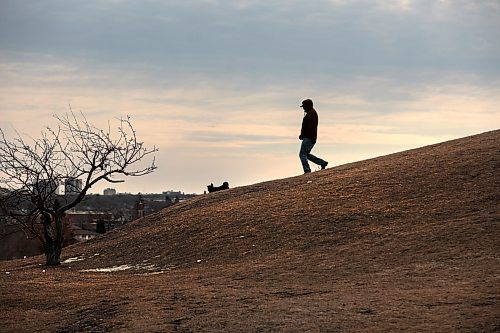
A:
x: 216, y: 85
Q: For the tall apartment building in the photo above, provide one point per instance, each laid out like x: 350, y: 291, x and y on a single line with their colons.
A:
x: 47, y: 188
x: 109, y: 191
x: 72, y: 186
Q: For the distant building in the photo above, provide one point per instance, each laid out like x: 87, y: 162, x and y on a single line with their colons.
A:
x: 84, y: 224
x: 82, y: 235
x: 173, y: 196
x: 72, y: 186
x: 173, y: 193
x: 109, y: 191
x: 87, y: 219
x: 139, y: 206
x: 45, y: 187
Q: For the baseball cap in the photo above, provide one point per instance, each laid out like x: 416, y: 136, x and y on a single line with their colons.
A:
x: 307, y: 102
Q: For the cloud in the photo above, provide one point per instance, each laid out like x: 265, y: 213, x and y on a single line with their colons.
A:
x: 229, y: 37
x: 215, y: 114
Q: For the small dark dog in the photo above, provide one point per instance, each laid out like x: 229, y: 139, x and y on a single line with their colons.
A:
x: 212, y: 188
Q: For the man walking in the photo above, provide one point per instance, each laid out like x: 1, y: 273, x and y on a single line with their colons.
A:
x: 308, y: 135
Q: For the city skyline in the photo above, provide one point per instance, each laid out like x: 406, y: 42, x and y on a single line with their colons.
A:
x: 216, y: 85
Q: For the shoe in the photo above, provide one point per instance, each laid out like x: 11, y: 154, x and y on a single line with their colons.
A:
x: 324, y: 166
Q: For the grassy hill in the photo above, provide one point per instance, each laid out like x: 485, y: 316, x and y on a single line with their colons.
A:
x: 405, y: 242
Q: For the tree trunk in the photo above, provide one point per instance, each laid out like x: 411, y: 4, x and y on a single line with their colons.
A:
x: 53, y: 255
x: 53, y: 241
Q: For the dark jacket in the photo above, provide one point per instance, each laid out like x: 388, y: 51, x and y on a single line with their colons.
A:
x: 310, y: 126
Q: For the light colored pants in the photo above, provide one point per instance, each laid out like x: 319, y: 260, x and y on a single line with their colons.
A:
x: 305, y: 154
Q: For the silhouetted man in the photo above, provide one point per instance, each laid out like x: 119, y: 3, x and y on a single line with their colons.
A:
x: 308, y: 135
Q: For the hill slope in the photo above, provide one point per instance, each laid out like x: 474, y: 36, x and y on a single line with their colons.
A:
x: 409, y: 241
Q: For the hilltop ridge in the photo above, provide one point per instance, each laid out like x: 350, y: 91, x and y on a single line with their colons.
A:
x: 408, y: 241
x: 439, y: 182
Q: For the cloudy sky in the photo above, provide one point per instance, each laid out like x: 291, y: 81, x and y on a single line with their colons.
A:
x: 216, y: 84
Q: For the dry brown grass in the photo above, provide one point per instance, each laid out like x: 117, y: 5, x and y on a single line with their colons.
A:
x: 406, y: 242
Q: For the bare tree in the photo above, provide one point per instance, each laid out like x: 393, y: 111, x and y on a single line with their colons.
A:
x: 30, y: 172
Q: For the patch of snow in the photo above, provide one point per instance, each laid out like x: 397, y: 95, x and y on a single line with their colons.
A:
x: 109, y: 269
x: 154, y: 273
x: 73, y: 259
x: 199, y: 260
x: 146, y: 267
x: 7, y: 273
x: 149, y: 267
